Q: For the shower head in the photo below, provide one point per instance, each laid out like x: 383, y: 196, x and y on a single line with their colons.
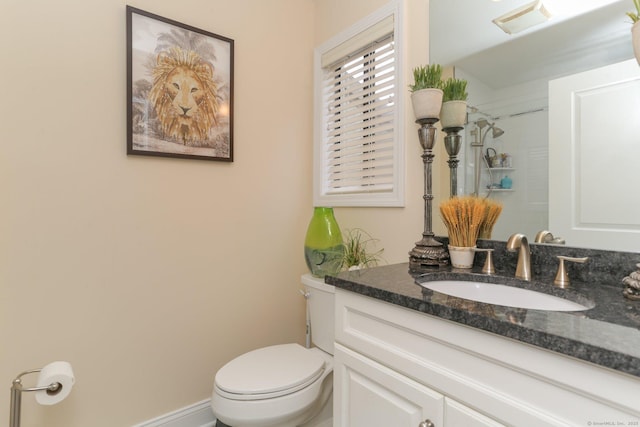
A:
x: 497, y: 132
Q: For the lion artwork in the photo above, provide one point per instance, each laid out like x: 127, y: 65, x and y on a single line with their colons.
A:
x: 184, y: 95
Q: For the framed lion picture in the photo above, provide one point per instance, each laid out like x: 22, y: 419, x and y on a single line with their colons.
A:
x: 179, y: 89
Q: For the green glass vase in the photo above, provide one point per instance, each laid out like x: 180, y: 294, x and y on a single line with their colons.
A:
x: 323, y: 247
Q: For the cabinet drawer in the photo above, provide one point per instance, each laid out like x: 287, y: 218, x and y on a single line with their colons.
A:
x: 457, y: 415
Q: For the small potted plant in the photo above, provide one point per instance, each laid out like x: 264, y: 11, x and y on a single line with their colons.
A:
x: 426, y: 92
x: 454, y: 103
x: 358, y: 252
x: 635, y: 29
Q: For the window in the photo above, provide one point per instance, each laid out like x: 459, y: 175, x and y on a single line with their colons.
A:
x: 358, y: 145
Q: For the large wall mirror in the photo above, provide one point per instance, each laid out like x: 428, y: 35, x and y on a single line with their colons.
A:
x: 509, y: 78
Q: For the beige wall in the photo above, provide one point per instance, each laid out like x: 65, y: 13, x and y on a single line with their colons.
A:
x: 396, y: 228
x: 146, y: 274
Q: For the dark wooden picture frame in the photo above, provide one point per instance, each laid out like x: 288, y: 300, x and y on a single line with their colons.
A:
x: 179, y: 89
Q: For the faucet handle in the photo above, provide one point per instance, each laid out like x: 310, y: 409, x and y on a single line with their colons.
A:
x: 562, y: 277
x: 545, y: 236
x: 488, y: 267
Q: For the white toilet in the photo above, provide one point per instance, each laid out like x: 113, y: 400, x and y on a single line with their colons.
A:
x: 284, y: 385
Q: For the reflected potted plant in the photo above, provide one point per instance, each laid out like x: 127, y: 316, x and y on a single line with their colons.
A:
x: 635, y: 29
x: 426, y: 92
x: 454, y: 103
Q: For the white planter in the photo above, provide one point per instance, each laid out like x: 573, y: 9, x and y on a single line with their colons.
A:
x: 462, y: 256
x: 427, y: 103
x: 635, y: 37
x: 453, y: 114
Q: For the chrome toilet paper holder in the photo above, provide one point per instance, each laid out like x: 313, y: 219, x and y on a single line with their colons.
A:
x: 16, y: 395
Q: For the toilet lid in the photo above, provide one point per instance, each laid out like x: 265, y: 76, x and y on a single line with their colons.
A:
x: 269, y: 372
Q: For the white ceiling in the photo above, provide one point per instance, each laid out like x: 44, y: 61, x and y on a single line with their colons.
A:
x: 582, y: 34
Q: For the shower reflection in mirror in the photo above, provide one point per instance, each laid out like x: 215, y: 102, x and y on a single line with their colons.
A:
x: 504, y: 156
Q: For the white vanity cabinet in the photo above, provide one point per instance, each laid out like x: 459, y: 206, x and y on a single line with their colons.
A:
x: 370, y: 394
x: 398, y: 367
x: 374, y: 395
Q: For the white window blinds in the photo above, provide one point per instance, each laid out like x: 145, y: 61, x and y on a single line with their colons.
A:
x: 359, y: 142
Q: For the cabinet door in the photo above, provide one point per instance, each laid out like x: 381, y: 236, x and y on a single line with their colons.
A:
x: 458, y: 415
x: 367, y: 394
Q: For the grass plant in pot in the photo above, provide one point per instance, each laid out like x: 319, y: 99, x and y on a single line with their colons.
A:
x: 360, y: 250
x: 454, y: 103
x: 426, y: 92
x: 466, y: 219
x: 635, y: 30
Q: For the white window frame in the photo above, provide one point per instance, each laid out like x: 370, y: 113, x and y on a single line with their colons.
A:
x: 395, y: 197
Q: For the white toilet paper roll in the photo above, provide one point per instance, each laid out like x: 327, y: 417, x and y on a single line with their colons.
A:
x: 55, y: 372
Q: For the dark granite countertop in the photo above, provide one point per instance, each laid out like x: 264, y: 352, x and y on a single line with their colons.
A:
x: 607, y: 334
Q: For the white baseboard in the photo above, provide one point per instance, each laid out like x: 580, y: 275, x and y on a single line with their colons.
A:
x: 196, y: 415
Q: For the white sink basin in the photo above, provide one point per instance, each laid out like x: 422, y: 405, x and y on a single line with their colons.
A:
x: 503, y: 295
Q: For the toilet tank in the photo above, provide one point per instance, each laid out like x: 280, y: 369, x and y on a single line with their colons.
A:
x: 320, y: 306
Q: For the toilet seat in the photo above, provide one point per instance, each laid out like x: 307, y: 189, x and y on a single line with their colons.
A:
x: 269, y: 372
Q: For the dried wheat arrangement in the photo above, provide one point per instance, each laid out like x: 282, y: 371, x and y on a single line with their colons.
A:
x: 494, y: 209
x: 468, y: 218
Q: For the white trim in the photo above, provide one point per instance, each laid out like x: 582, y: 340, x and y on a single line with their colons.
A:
x: 196, y: 415
x: 358, y: 41
x: 396, y: 198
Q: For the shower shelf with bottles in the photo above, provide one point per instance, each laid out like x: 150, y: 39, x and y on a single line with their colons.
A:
x: 497, y: 174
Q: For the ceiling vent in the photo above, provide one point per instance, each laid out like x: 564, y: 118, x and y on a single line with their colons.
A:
x: 523, y: 18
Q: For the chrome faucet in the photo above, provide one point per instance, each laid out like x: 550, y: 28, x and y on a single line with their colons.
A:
x: 523, y: 269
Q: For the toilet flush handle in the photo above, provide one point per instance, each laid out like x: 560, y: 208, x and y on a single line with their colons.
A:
x: 306, y: 296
